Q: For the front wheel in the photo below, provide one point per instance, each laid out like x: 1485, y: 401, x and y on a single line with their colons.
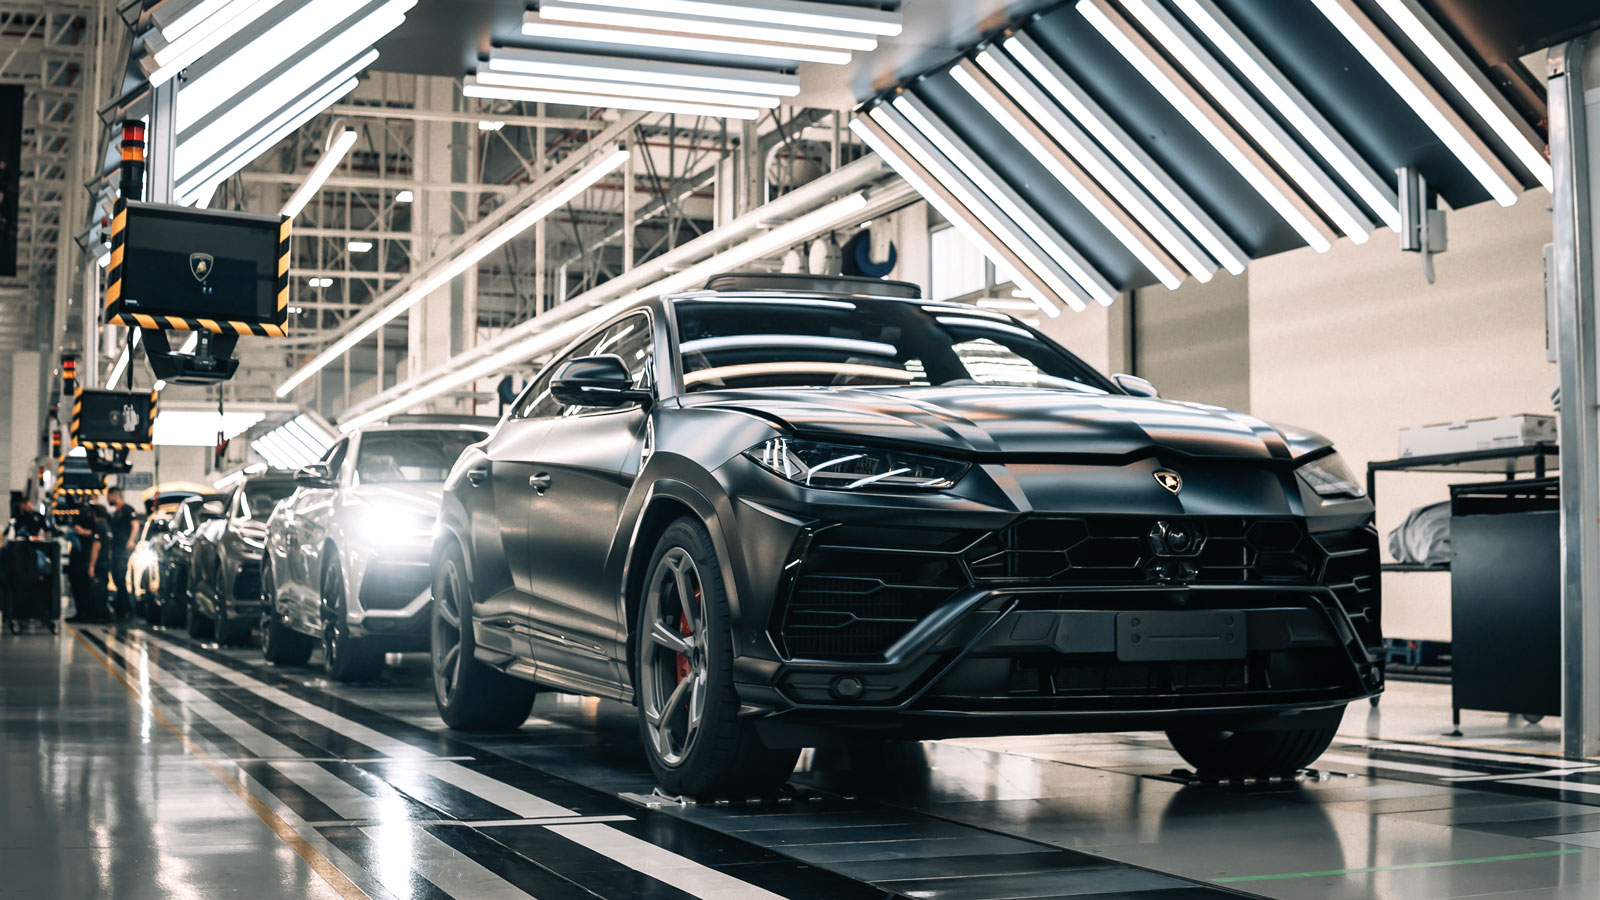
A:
x: 173, y: 606
x: 344, y: 656
x: 470, y: 696
x: 683, y: 678
x: 280, y: 644
x: 1243, y: 754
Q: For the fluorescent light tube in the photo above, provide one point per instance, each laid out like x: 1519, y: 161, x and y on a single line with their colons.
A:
x: 643, y: 71
x: 784, y: 236
x: 1252, y: 118
x: 1082, y: 188
x: 210, y: 136
x: 1155, y: 70
x: 219, y: 169
x: 1126, y: 152
x: 471, y: 88
x: 319, y: 173
x: 1364, y: 36
x: 565, y: 193
x: 204, y: 36
x: 792, y: 13
x: 942, y: 197
x: 609, y: 88
x: 1097, y: 166
x: 535, y: 27
x: 358, y: 246
x: 404, y: 197
x: 184, y: 20
x: 1285, y: 99
x: 1463, y: 75
x: 736, y: 29
x: 487, y: 125
x: 1011, y: 206
x: 244, y: 66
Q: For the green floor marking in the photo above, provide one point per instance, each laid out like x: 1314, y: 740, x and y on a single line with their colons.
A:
x: 1423, y: 865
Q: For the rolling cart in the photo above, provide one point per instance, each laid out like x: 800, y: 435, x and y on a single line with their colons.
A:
x: 32, y: 584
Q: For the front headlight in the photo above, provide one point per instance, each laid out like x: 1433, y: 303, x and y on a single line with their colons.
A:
x: 1330, y: 477
x: 386, y: 521
x: 843, y: 467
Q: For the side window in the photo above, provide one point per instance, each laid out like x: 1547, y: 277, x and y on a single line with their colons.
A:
x: 630, y: 339
x: 335, y: 456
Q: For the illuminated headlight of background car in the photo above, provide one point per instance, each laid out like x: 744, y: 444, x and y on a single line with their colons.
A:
x: 254, y: 542
x: 844, y: 467
x: 377, y: 523
x: 1330, y: 477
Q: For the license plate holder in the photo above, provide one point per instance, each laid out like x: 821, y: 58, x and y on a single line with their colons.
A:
x: 1187, y: 636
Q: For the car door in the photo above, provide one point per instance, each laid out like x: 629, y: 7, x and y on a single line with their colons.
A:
x: 573, y: 515
x: 312, y: 510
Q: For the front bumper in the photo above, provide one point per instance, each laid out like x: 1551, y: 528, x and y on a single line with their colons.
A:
x: 1031, y: 622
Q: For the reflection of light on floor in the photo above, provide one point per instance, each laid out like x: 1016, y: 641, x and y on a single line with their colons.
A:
x: 144, y: 693
x: 393, y: 844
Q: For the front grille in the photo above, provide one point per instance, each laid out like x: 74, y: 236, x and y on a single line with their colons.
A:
x: 1051, y: 550
x: 247, y: 584
x: 858, y: 590
x: 393, y: 585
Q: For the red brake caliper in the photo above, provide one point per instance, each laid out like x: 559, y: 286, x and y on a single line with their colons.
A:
x: 683, y: 661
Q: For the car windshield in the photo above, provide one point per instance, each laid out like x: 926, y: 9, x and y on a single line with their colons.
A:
x: 411, y: 456
x: 747, y: 343
x: 260, y: 499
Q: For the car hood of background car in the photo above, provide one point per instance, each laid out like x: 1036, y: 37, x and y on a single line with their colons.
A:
x: 974, y: 420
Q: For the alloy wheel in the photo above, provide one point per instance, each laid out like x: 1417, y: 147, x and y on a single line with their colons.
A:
x: 333, y: 636
x: 673, y: 664
x: 446, y: 643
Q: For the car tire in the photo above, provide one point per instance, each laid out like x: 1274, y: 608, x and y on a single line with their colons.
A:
x: 200, y: 626
x: 470, y: 695
x: 231, y: 630
x: 152, y: 609
x: 174, y: 609
x: 280, y: 644
x: 1244, y: 754
x: 684, y: 605
x: 344, y: 656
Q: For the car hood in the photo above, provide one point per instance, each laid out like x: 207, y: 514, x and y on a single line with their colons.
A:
x: 422, y: 499
x: 250, y: 528
x: 971, y: 420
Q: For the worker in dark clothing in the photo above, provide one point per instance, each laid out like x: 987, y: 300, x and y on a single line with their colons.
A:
x: 120, y: 547
x: 87, y: 532
x: 26, y: 523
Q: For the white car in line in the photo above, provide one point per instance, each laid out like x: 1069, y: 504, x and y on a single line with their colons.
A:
x: 347, y: 561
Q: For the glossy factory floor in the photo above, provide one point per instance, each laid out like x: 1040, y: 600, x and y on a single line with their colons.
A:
x: 140, y: 765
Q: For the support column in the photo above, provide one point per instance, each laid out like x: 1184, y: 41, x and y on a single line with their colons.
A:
x: 432, y: 323
x: 1575, y: 158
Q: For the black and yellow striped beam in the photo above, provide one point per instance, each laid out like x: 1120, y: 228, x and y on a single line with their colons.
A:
x: 116, y: 315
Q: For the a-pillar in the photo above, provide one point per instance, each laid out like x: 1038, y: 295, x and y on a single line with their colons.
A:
x: 443, y: 324
x: 1574, y: 92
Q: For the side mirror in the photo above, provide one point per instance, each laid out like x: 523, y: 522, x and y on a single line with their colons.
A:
x: 1133, y: 384
x: 597, y: 381
x: 315, y: 476
x: 213, y: 509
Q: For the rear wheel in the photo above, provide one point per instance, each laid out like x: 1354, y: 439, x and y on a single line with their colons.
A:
x: 173, y: 605
x: 200, y: 625
x: 683, y: 678
x: 280, y: 644
x: 470, y: 695
x: 231, y: 629
x: 1242, y: 754
x: 344, y: 656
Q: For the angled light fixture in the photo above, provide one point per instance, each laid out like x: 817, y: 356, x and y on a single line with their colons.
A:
x: 319, y: 173
x: 1251, y: 117
x: 626, y: 70
x: 788, y: 13
x: 1006, y: 84
x: 1381, y: 53
x: 195, y: 31
x: 1445, y: 55
x: 832, y: 215
x: 1065, y: 170
x: 1013, y: 214
x: 606, y: 161
x: 1126, y: 151
x: 404, y: 197
x: 358, y: 246
x: 1377, y: 192
x: 1206, y: 121
x: 536, y: 27
x: 942, y: 196
x: 734, y: 27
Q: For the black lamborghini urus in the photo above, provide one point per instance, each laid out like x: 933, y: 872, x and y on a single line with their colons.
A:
x: 784, y: 512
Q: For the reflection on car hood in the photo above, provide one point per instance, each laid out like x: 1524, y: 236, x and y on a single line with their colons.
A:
x: 1012, y: 421
x: 250, y: 528
x: 422, y: 499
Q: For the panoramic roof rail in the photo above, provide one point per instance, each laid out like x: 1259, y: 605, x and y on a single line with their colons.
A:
x: 800, y: 283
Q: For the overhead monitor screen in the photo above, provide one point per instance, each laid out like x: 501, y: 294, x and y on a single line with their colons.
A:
x: 117, y: 420
x: 184, y: 268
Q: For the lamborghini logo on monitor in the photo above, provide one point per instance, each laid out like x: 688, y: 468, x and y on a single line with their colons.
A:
x: 200, y: 266
x: 1169, y: 479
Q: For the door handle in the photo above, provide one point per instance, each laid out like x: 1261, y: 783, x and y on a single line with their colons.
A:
x: 540, y: 482
x: 477, y: 475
